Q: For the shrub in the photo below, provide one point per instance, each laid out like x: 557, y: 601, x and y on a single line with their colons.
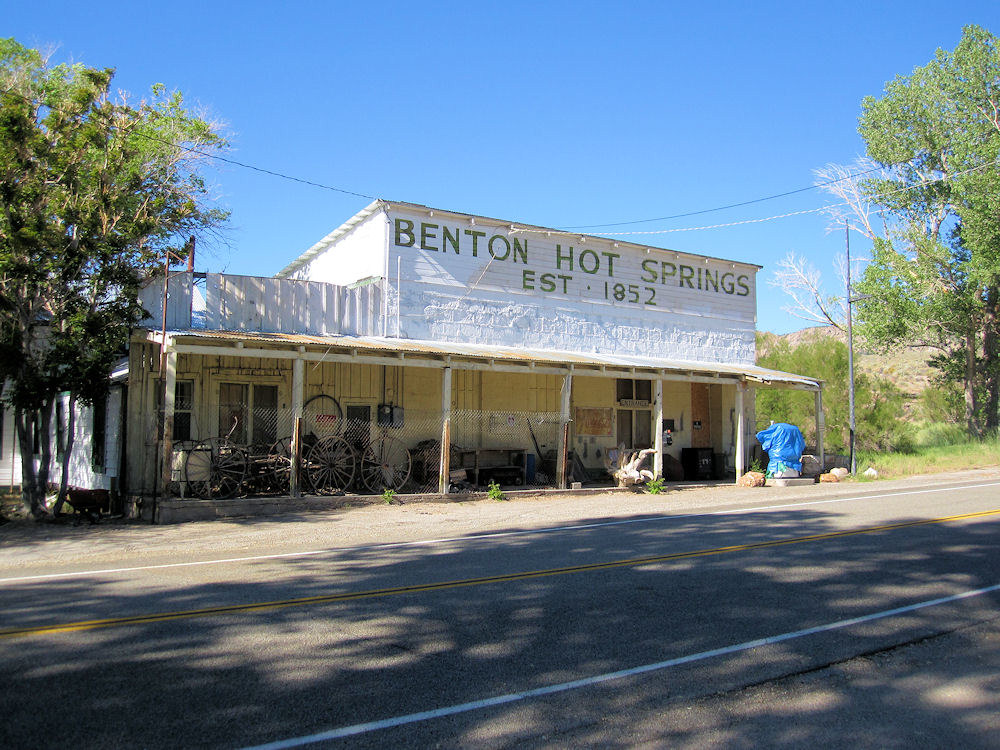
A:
x: 940, y: 433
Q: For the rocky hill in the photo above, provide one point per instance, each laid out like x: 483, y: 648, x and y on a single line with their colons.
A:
x: 907, y: 369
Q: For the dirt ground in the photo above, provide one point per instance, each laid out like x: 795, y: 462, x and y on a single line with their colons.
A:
x: 26, y: 544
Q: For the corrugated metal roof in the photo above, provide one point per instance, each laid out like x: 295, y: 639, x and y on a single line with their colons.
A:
x: 501, y: 354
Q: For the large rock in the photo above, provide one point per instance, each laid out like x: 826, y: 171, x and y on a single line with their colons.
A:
x: 673, y: 470
x: 752, y: 479
x: 810, y: 465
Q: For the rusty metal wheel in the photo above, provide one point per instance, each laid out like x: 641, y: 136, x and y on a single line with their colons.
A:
x: 216, y: 468
x: 385, y: 465
x: 330, y: 465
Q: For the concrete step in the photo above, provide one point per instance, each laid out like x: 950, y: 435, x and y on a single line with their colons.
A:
x: 789, y: 481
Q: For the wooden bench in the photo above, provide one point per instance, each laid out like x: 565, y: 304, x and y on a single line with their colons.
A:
x: 481, y: 464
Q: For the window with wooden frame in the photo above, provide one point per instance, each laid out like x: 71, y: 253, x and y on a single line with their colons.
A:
x: 248, y: 411
x: 183, y: 410
x: 633, y: 413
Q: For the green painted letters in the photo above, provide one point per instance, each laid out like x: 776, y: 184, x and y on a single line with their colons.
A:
x: 475, y: 241
x: 649, y: 267
x: 560, y: 257
x: 506, y: 247
x: 426, y: 234
x: 404, y: 227
x: 520, y: 251
x: 448, y: 237
x: 585, y: 255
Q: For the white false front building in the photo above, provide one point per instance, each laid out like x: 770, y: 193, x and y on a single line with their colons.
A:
x: 530, y: 353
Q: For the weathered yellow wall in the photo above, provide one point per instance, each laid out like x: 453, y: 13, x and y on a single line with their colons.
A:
x: 490, y: 409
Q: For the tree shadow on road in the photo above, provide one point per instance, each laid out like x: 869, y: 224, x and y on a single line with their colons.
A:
x: 231, y: 679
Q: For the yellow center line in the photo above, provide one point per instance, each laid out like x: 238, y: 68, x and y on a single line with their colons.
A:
x: 442, y: 585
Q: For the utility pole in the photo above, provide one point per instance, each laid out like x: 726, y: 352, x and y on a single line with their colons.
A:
x: 850, y: 351
x: 851, y: 299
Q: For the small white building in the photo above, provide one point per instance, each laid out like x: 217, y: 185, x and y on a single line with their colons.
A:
x: 529, y: 353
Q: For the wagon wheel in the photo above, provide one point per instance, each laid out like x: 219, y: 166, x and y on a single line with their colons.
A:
x: 216, y: 468
x: 330, y: 464
x: 322, y: 416
x: 385, y: 465
x: 279, y: 460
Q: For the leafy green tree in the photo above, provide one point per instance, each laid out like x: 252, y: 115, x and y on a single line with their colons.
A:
x: 935, y: 275
x: 878, y: 403
x: 93, y: 193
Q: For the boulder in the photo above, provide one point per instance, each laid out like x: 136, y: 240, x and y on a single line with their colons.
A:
x: 752, y: 479
x: 810, y: 466
x: 840, y: 472
x: 673, y: 470
x: 871, y: 473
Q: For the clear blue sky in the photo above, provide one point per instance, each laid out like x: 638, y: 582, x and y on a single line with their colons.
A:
x: 560, y: 114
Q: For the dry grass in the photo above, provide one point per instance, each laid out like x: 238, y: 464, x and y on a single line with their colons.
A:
x: 931, y: 460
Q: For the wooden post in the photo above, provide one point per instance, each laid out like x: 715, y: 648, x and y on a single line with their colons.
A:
x: 740, y: 429
x: 294, y: 477
x: 298, y: 385
x: 562, y: 477
x: 169, y: 388
x: 444, y: 466
x: 658, y: 431
x: 820, y: 429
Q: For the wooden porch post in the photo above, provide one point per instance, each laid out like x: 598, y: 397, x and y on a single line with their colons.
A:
x: 740, y: 429
x: 820, y: 429
x: 561, y: 473
x: 444, y: 468
x: 169, y: 388
x: 658, y: 432
x: 298, y: 386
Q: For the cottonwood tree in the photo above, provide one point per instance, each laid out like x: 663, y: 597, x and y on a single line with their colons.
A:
x: 93, y: 192
x: 935, y: 274
x: 932, y: 215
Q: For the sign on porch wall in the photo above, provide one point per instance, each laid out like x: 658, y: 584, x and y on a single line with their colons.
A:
x: 593, y: 422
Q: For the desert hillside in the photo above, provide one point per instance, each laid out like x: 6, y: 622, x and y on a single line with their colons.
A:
x: 907, y: 368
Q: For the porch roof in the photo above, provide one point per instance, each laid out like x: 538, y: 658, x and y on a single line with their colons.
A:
x: 417, y: 353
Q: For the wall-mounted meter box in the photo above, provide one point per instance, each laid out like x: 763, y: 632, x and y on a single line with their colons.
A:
x: 390, y: 416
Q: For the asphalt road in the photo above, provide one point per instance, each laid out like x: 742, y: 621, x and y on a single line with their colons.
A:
x: 867, y: 615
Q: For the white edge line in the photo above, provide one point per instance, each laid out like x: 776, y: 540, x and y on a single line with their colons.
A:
x: 476, y: 537
x: 373, y: 726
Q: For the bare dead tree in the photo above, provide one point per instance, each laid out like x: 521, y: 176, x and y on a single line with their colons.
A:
x: 803, y: 284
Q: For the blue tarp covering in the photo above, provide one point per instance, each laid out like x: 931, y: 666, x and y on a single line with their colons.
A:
x: 783, y: 444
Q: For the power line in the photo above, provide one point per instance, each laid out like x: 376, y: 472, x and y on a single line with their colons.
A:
x: 567, y: 230
x: 723, y: 208
x: 262, y: 170
x: 208, y: 155
x: 827, y: 207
